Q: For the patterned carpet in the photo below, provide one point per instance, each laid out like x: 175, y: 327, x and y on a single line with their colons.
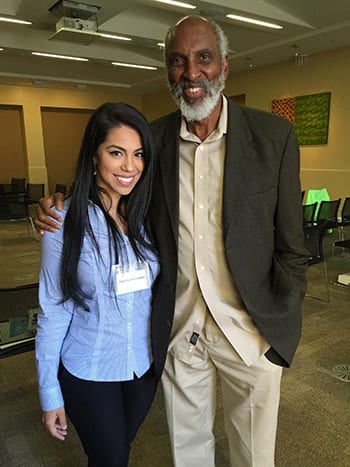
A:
x: 19, y: 253
x: 314, y: 428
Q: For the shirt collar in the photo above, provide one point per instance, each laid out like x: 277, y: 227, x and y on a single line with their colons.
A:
x: 219, y: 131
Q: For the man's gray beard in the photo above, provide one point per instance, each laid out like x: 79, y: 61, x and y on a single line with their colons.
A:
x: 205, y: 108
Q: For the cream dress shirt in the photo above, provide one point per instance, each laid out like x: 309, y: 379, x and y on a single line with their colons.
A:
x: 204, y: 283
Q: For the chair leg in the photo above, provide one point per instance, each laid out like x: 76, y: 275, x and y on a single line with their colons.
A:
x: 33, y: 228
x: 327, y: 300
x: 340, y: 237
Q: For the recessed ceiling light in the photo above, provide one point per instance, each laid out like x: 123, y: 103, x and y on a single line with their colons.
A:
x: 112, y: 36
x: 38, y: 82
x: 66, y: 57
x: 175, y: 3
x: 131, y: 65
x: 11, y: 20
x: 254, y: 21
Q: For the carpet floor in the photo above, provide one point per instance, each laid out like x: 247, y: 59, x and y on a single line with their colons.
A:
x: 314, y: 418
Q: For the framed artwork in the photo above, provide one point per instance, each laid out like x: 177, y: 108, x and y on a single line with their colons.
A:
x: 309, y: 114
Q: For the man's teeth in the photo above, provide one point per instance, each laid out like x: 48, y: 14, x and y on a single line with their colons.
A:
x: 193, y: 90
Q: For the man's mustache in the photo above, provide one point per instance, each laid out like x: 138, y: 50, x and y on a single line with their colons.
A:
x: 177, y: 89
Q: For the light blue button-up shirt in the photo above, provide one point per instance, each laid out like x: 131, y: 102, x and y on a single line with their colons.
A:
x: 111, y: 342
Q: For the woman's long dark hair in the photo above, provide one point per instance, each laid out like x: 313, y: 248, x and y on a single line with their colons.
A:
x: 133, y: 207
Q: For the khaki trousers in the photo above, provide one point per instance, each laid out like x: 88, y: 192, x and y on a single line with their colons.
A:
x: 250, y: 404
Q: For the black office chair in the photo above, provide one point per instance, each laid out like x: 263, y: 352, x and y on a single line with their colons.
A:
x: 13, y: 209
x: 313, y: 241
x: 328, y: 213
x: 344, y: 219
x: 19, y: 184
x: 35, y: 191
x: 309, y: 211
x: 7, y: 188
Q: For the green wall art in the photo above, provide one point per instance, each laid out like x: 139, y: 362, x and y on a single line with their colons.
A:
x: 309, y: 114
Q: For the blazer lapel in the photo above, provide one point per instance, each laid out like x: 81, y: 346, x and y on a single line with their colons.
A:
x: 238, y: 159
x: 169, y: 170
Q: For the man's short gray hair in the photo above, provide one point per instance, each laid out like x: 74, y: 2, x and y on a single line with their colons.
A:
x: 220, y: 35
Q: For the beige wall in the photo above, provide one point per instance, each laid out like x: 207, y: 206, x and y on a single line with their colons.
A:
x: 321, y: 166
x: 32, y: 99
x: 12, y: 144
x: 63, y: 131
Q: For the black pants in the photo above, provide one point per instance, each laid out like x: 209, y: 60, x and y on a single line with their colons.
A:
x: 107, y: 415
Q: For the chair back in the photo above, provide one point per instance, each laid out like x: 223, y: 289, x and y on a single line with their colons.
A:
x: 7, y: 188
x: 345, y: 212
x: 19, y: 184
x: 309, y: 211
x: 319, y: 195
x: 11, y: 207
x: 328, y: 212
x: 35, y: 191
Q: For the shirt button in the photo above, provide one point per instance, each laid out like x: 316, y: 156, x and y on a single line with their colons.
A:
x: 201, y: 206
x: 200, y: 237
x: 202, y: 268
x: 201, y: 177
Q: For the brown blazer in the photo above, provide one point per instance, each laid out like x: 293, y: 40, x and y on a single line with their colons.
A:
x: 262, y: 221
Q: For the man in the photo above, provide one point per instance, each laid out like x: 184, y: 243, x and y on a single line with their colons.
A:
x: 227, y: 216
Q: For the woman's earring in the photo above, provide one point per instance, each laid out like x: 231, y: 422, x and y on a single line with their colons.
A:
x: 94, y: 161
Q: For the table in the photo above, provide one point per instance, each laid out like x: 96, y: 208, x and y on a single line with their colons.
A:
x: 18, y: 318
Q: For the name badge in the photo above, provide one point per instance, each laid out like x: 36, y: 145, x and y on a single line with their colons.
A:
x: 136, y: 277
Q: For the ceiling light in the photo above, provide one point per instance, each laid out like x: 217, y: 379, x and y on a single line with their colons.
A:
x: 112, y: 36
x: 174, y: 3
x: 66, y: 57
x: 161, y: 44
x: 131, y: 65
x: 38, y: 82
x: 11, y: 20
x: 254, y: 21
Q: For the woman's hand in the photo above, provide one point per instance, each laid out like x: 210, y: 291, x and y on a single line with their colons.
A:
x: 45, y: 219
x: 55, y: 422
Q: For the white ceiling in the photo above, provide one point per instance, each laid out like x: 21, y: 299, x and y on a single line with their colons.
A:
x: 309, y: 26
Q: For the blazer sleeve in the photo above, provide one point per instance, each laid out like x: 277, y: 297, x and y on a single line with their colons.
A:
x: 289, y: 236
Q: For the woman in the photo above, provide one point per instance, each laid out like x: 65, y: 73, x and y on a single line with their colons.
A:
x: 96, y: 357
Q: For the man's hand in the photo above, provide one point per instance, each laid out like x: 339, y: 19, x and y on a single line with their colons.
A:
x: 55, y: 422
x: 46, y: 217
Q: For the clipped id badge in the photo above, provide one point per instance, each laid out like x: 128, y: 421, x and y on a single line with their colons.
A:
x: 132, y: 278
